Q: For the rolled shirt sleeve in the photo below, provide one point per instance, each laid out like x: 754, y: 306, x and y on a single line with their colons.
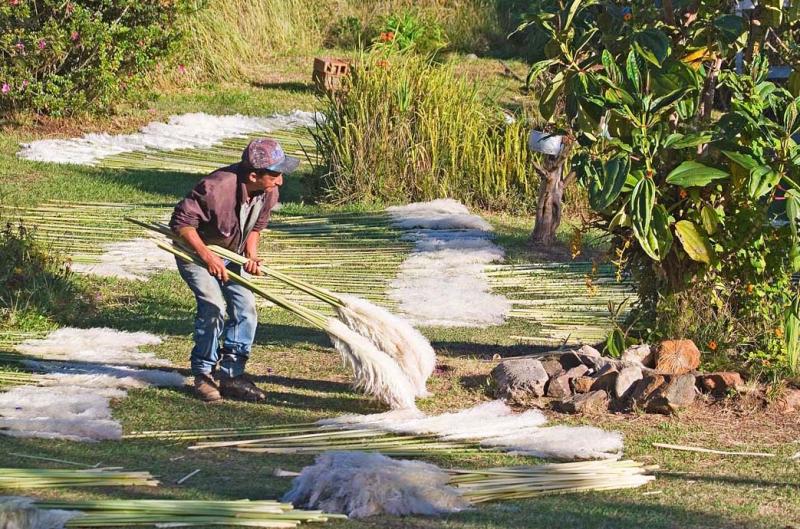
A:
x: 192, y: 210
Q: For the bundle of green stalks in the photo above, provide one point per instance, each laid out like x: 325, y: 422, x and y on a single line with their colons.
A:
x: 407, y: 130
x: 184, y: 513
x: 12, y: 377
x: 44, y: 478
x: 511, y: 483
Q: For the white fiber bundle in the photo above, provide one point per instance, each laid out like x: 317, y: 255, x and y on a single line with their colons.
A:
x: 98, y: 375
x: 562, y: 442
x: 375, y: 372
x: 440, y: 214
x: 392, y: 335
x: 135, y: 259
x: 493, y: 424
x: 186, y: 131
x: 20, y: 513
x: 360, y: 484
x: 102, y: 345
x: 73, y: 400
x: 442, y: 283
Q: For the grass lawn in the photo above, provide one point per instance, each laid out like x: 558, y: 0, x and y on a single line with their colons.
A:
x: 306, y: 380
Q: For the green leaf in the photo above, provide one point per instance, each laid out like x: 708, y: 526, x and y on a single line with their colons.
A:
x: 730, y: 28
x: 652, y: 45
x: 632, y: 69
x: 547, y: 106
x: 679, y: 141
x: 612, y: 70
x: 694, y: 174
x: 538, y: 69
x: 607, y: 184
x: 762, y: 180
x: 657, y: 242
x: 694, y: 242
x: 615, y: 343
x: 643, y: 199
x: 710, y: 219
x: 793, y: 210
x: 744, y: 160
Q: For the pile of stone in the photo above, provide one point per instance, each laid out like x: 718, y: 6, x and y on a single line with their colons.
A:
x: 660, y: 379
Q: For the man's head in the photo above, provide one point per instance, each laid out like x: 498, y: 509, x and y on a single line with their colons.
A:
x: 265, y: 163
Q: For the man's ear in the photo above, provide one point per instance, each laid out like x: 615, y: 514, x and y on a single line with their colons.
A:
x: 252, y: 177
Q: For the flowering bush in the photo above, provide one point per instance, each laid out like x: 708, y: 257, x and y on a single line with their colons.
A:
x: 66, y: 56
x: 410, y: 31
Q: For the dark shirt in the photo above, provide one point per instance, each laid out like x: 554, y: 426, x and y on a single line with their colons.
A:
x: 214, y: 208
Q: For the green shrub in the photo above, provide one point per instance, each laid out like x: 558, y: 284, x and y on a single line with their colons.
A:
x: 62, y: 57
x: 410, y: 31
x: 36, y: 286
x: 405, y: 129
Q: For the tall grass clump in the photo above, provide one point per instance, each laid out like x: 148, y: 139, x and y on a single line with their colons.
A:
x: 236, y: 37
x: 36, y: 287
x: 405, y: 129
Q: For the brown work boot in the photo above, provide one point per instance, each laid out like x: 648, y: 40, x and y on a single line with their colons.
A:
x: 241, y: 388
x: 206, y: 389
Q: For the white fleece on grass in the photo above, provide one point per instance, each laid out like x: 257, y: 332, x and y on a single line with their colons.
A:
x: 360, y: 484
x: 442, y: 283
x: 185, y: 131
x: 392, y: 335
x: 21, y: 513
x: 72, y: 401
x: 97, y: 344
x: 135, y: 259
x: 494, y: 425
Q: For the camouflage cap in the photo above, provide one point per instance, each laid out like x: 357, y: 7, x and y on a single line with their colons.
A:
x: 267, y: 154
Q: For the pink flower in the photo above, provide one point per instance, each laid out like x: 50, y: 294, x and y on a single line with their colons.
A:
x: 24, y: 84
x: 42, y: 44
x: 74, y: 36
x: 181, y: 69
x: 6, y: 89
x: 13, y: 2
x: 69, y: 8
x: 20, y: 46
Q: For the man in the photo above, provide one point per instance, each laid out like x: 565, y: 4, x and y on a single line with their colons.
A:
x: 228, y: 208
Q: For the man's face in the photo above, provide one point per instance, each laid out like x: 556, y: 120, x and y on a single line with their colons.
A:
x: 267, y: 180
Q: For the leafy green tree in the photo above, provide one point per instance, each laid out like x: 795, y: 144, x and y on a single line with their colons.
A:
x: 701, y: 201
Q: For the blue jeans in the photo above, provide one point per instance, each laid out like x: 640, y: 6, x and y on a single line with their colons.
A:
x: 215, y: 301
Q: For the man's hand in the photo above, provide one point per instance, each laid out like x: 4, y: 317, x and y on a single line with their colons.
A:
x: 252, y: 266
x: 216, y: 267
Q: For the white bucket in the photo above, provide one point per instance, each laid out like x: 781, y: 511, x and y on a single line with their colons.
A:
x: 545, y: 143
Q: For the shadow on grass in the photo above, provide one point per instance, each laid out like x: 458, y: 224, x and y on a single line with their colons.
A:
x: 170, y: 184
x: 325, y: 386
x: 331, y: 405
x: 487, y: 351
x: 288, y: 86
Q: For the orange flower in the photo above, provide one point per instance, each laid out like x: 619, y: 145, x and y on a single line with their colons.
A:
x: 387, y: 36
x: 778, y: 332
x: 383, y: 63
x: 683, y: 194
x: 627, y: 16
x: 712, y: 345
x: 750, y: 288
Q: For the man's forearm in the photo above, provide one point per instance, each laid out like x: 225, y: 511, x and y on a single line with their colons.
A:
x: 251, y: 245
x: 192, y: 238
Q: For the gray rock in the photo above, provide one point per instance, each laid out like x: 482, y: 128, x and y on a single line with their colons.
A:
x: 582, y: 384
x: 518, y: 380
x: 679, y: 392
x: 552, y: 366
x: 470, y: 56
x: 606, y: 379
x: 577, y: 371
x: 625, y: 381
x: 642, y: 389
x: 639, y: 354
x: 588, y: 350
x: 592, y: 402
x: 558, y: 387
x: 570, y: 360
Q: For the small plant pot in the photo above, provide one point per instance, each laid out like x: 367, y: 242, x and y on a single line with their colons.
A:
x: 545, y: 142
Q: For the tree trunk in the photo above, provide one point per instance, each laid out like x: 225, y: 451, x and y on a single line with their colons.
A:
x: 711, y: 88
x: 548, y: 208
